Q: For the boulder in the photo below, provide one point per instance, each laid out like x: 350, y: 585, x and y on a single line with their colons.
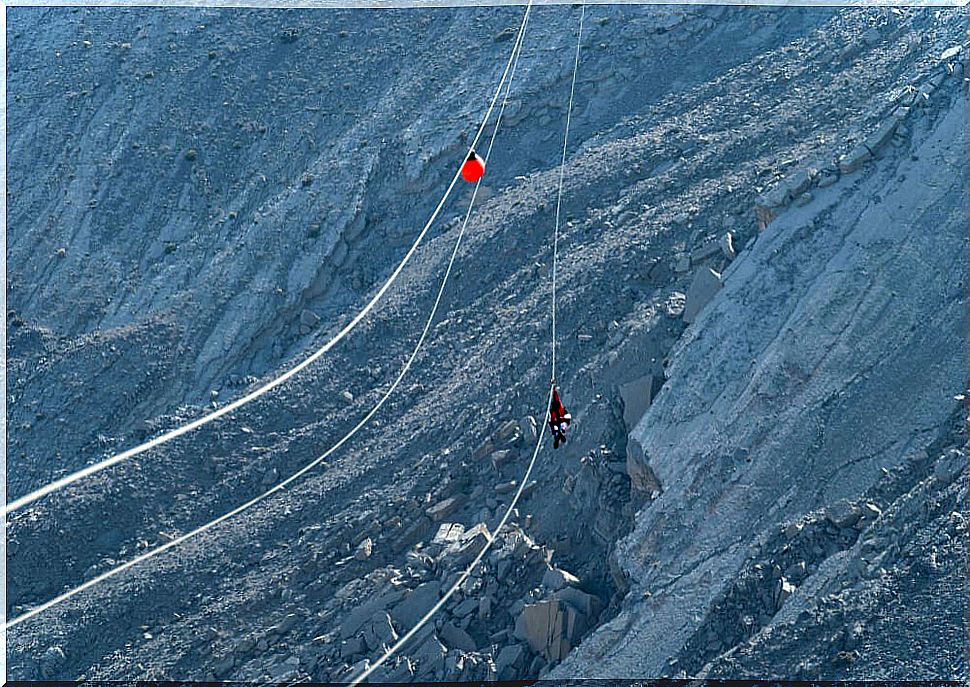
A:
x: 407, y: 613
x: 854, y: 159
x: 484, y: 449
x: 478, y: 533
x: 339, y: 254
x: 53, y: 659
x: 529, y: 488
x: 463, y: 552
x: 637, y: 397
x: 551, y: 628
x: 777, y: 197
x: 510, y: 662
x: 466, y: 607
x: 793, y: 529
x: 881, y: 136
x: 429, y: 658
x: 456, y: 638
x: 674, y: 305
x: 949, y: 466
x: 289, y: 34
x: 827, y: 178
x: 380, y: 632
x: 416, y: 530
x: 507, y: 430
x: 308, y: 318
x: 366, y: 611
x: 704, y: 251
x: 555, y: 579
x: 702, y: 289
x: 951, y: 52
x: 244, y: 646
x: 506, y: 487
x: 642, y: 477
x: 448, y: 533
x: 528, y: 427
x: 670, y: 20
x: 352, y: 647
x: 285, y: 670
x: 443, y: 509
x: 289, y: 621
x: 796, y: 570
x: 401, y: 673
x: 799, y: 182
x: 500, y: 458
x: 221, y: 667
x: 355, y: 670
x: 485, y: 605
x: 726, y: 244
x: 872, y: 36
x: 783, y: 590
x: 364, y: 549
x: 843, y: 513
x: 587, y: 605
x: 468, y: 668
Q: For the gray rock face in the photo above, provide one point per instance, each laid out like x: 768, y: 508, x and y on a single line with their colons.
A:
x: 824, y: 377
x: 183, y: 209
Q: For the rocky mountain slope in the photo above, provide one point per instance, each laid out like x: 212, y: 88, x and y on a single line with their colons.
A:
x: 763, y: 330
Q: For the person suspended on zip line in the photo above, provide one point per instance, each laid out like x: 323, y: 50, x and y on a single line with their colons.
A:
x: 559, y: 418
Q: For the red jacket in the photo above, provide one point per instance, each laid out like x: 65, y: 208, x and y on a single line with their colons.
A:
x: 557, y: 411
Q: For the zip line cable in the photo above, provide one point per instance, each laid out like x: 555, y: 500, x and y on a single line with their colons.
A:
x: 59, y: 484
x: 302, y: 471
x: 562, y: 171
x: 525, y: 479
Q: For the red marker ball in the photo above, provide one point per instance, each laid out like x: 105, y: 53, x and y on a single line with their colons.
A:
x: 473, y: 169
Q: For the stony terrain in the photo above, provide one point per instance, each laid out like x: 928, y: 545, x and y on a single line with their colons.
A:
x: 762, y: 317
